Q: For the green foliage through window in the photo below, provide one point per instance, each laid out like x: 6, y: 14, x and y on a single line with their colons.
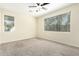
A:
x: 8, y: 22
x: 58, y: 23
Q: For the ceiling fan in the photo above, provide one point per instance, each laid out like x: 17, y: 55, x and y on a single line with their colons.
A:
x: 39, y: 6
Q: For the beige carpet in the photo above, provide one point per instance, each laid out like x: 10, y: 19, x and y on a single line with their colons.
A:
x: 36, y: 47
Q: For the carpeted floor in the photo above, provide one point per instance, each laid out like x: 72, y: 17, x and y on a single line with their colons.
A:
x: 36, y: 47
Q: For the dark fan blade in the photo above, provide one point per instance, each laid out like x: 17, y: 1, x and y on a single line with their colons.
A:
x: 44, y: 8
x: 44, y: 4
x: 38, y: 4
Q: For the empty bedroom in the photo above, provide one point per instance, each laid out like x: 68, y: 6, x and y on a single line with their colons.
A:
x: 39, y: 29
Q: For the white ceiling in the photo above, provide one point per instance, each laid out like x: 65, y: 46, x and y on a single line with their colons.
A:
x: 23, y: 8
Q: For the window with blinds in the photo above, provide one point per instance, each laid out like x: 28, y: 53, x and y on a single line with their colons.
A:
x: 58, y: 23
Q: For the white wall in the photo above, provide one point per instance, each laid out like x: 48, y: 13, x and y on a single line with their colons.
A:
x: 0, y: 21
x: 25, y: 27
x: 70, y: 38
x: 0, y: 24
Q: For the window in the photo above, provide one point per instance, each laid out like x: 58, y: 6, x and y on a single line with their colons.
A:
x: 58, y: 23
x: 8, y: 23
